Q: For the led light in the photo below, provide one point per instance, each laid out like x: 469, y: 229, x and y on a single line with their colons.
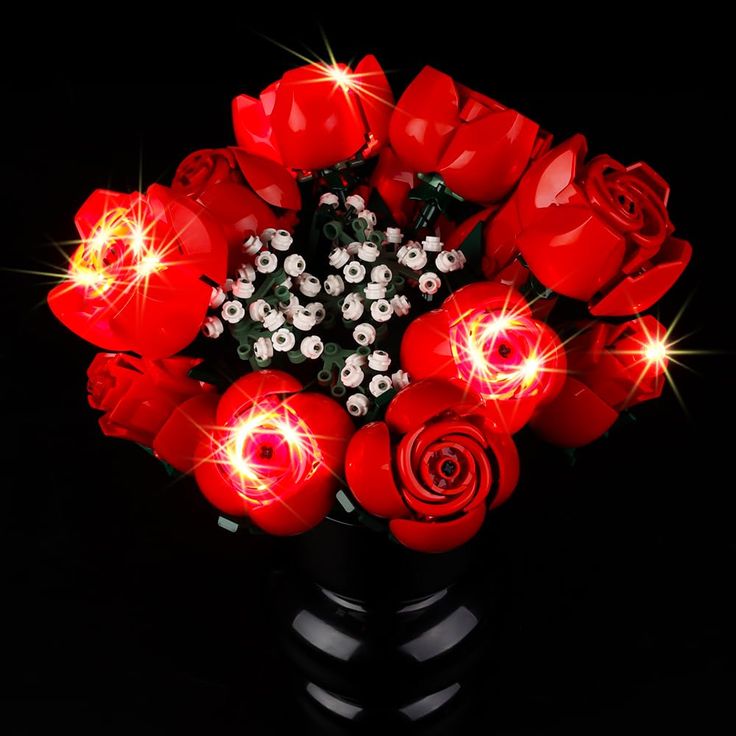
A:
x: 341, y: 77
x: 149, y: 264
x: 655, y: 352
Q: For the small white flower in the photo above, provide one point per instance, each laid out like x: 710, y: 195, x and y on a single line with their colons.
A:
x: 429, y: 283
x: 334, y: 285
x: 379, y: 385
x: 283, y: 340
x: 352, y: 376
x: 247, y: 272
x: 273, y: 320
x: 381, y: 275
x: 338, y: 257
x: 400, y: 379
x: 354, y: 272
x: 374, y: 291
x: 379, y: 360
x: 294, y: 264
x: 352, y: 306
x: 356, y: 359
x: 243, y: 289
x: 289, y: 310
x: 356, y: 202
x: 369, y: 218
x: 281, y: 240
x: 381, y: 310
x: 414, y: 257
x: 311, y: 346
x: 394, y: 235
x: 309, y: 285
x: 252, y: 245
x: 258, y: 310
x: 217, y: 297
x: 267, y: 234
x: 212, y: 327
x: 364, y: 334
x: 329, y: 199
x: 233, y: 312
x: 317, y: 310
x: 368, y: 252
x: 357, y: 405
x: 449, y: 260
x: 401, y: 305
x: 263, y: 348
x: 432, y: 244
x: 303, y: 319
x: 228, y: 285
x: 266, y: 262
x: 353, y: 248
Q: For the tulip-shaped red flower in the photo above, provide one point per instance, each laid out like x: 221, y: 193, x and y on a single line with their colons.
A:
x: 433, y: 467
x: 596, y: 231
x: 138, y: 395
x: 244, y: 193
x: 273, y: 452
x: 477, y: 145
x: 317, y: 115
x: 611, y: 368
x: 485, y: 335
x: 136, y: 281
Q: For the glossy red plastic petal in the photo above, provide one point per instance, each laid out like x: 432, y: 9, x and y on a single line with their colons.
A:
x: 374, y: 93
x: 484, y: 295
x: 422, y: 400
x: 251, y: 387
x: 220, y: 492
x: 368, y: 470
x: 426, y: 349
x: 269, y: 180
x: 575, y: 418
x: 176, y: 442
x: 504, y: 449
x: 252, y: 127
x: 439, y: 536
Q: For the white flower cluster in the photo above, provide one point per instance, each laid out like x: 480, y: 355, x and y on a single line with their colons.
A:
x: 282, y: 319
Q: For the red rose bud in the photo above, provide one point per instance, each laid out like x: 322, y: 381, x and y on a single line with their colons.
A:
x: 317, y: 115
x: 434, y: 467
x: 273, y: 452
x: 138, y: 396
x: 485, y: 335
x: 240, y: 191
x: 612, y: 368
x: 477, y: 145
x: 135, y: 283
x: 596, y: 231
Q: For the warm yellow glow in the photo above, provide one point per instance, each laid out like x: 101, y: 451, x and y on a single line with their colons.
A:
x: 149, y: 264
x: 137, y: 240
x: 341, y: 77
x: 530, y: 368
x: 655, y: 351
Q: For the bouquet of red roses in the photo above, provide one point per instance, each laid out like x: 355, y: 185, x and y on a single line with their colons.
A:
x: 365, y: 299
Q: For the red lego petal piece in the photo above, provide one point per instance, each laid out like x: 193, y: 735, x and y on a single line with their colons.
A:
x: 251, y: 387
x: 269, y: 180
x: 253, y: 130
x: 438, y: 536
x: 376, y: 98
x: 425, y: 347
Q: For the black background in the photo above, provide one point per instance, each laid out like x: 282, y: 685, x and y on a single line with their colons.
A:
x: 128, y: 611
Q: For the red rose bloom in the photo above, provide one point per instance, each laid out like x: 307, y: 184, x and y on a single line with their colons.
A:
x: 433, y: 467
x: 273, y: 452
x: 485, y: 335
x: 598, y: 232
x: 135, y: 283
x: 612, y: 368
x: 478, y: 146
x: 316, y: 116
x: 240, y: 191
x: 138, y: 395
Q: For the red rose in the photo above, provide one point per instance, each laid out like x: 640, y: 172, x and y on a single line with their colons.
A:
x: 612, y: 368
x: 485, y: 335
x: 598, y: 232
x: 316, y: 116
x: 433, y: 467
x: 273, y: 452
x: 135, y: 283
x: 478, y: 146
x: 137, y: 395
x: 240, y: 191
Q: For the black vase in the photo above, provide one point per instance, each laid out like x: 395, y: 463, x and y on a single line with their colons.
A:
x: 379, y: 633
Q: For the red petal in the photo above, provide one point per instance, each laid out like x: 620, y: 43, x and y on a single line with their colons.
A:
x: 507, y: 472
x: 393, y: 180
x: 484, y: 295
x: 375, y: 95
x: 269, y: 180
x: 422, y: 400
x: 253, y: 130
x: 190, y: 423
x: 215, y: 487
x: 98, y: 204
x: 458, y: 235
x: 368, y: 470
x: 425, y: 347
x: 424, y: 120
x: 251, y: 387
x: 441, y: 536
x: 575, y: 418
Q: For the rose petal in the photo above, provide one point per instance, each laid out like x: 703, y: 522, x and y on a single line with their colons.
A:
x: 438, y: 536
x: 251, y: 387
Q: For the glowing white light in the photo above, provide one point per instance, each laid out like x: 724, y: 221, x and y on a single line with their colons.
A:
x: 655, y: 351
